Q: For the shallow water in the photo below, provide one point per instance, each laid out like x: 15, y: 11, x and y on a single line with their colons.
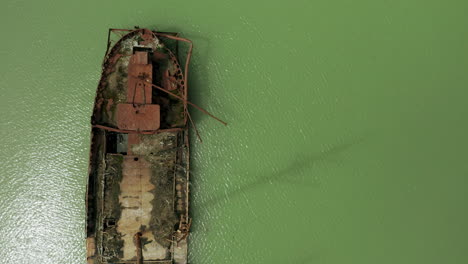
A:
x: 346, y: 140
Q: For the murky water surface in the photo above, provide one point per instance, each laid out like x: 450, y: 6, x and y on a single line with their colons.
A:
x: 346, y: 140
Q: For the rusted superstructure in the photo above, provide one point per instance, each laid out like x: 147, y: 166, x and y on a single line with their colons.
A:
x: 138, y: 189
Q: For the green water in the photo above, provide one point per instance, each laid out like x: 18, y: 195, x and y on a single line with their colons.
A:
x: 347, y: 133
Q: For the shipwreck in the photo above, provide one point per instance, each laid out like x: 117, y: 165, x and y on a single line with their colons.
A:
x: 138, y: 191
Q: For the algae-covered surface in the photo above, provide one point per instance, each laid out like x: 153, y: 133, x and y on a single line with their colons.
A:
x: 137, y: 193
x: 346, y: 140
x: 110, y: 238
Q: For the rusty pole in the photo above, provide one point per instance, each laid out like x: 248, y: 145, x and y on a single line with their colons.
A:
x: 139, y: 252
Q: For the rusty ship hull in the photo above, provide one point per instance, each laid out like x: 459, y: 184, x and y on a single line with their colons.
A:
x: 137, y: 196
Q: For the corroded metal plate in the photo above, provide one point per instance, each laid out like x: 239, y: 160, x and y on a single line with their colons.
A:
x: 138, y: 117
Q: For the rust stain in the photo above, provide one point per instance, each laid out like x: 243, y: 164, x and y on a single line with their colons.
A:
x: 138, y: 113
x: 135, y: 198
x: 138, y: 117
x: 139, y: 253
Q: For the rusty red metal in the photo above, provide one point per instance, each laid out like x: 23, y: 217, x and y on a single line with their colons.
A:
x: 168, y: 80
x: 138, y: 113
x: 139, y: 92
x: 138, y: 248
x: 143, y: 117
x: 150, y: 132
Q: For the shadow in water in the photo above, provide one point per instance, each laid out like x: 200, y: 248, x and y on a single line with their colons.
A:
x: 296, y: 167
x: 306, y: 259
